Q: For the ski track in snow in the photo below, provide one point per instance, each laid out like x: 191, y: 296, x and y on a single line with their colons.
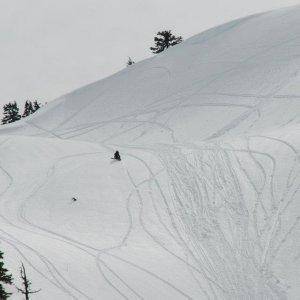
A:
x: 176, y: 233
x: 57, y: 279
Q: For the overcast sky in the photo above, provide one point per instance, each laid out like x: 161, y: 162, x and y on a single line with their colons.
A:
x: 50, y: 47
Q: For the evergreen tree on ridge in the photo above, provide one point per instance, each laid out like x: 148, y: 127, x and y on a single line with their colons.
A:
x: 11, y: 113
x: 164, y: 40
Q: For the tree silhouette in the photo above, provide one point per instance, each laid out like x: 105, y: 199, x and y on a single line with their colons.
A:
x: 11, y: 113
x: 26, y: 289
x: 164, y: 40
x: 4, y: 278
x: 36, y: 106
x: 28, y: 109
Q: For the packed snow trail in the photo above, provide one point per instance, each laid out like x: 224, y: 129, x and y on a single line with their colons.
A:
x: 203, y: 205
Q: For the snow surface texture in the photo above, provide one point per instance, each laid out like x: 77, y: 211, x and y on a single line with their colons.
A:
x: 205, y: 202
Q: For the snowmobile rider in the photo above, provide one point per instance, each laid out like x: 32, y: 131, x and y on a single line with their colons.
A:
x: 117, y: 155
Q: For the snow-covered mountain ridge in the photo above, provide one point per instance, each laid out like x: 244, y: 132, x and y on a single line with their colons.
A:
x: 203, y: 204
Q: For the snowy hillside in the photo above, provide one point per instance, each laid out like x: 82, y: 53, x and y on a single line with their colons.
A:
x: 205, y: 202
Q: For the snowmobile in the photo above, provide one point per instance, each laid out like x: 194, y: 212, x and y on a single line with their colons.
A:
x: 117, y: 156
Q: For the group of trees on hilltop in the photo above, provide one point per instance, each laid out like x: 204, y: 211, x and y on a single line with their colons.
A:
x: 11, y: 111
x: 163, y: 40
x: 6, y: 279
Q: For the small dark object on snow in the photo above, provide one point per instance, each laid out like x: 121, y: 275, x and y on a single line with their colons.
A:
x: 117, y: 155
x: 74, y: 199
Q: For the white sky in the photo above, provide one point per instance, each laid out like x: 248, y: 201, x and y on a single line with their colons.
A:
x: 50, y: 47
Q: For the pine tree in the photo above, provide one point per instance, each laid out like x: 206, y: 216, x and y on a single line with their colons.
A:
x: 4, y: 278
x: 28, y: 109
x: 11, y: 113
x: 26, y: 289
x: 36, y: 106
x: 164, y: 40
x: 130, y: 62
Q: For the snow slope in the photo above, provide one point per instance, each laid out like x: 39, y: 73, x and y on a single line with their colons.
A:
x: 205, y: 203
